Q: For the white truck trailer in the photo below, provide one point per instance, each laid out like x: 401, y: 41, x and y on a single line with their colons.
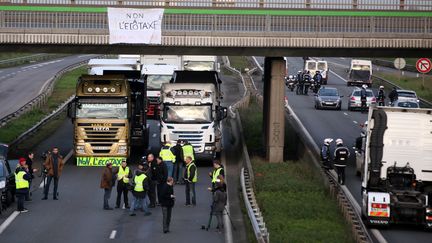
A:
x: 201, y: 63
x: 318, y: 65
x: 162, y: 60
x: 397, y: 176
x: 360, y: 72
x: 191, y: 111
x: 155, y: 76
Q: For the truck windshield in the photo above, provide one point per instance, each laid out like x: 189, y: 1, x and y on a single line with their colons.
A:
x: 156, y: 81
x: 322, y: 66
x: 187, y: 114
x: 311, y: 66
x: 102, y: 111
x: 198, y: 66
x: 360, y: 67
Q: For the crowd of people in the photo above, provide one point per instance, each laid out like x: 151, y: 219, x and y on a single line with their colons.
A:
x: 152, y: 183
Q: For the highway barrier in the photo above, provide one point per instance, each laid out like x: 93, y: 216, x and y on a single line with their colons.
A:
x: 27, y: 59
x: 310, y: 152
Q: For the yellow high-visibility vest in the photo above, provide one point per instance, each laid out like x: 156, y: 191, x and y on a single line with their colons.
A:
x: 123, y: 174
x: 20, y: 182
x: 188, y: 150
x: 167, y: 155
x: 139, y: 182
x: 195, y: 178
x: 216, y: 174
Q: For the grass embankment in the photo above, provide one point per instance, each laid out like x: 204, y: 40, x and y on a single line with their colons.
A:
x: 295, y: 204
x: 63, y: 89
x: 411, y: 83
x: 25, y: 58
x: 239, y: 63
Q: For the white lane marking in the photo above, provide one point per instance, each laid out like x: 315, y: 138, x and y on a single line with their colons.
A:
x: 113, y: 234
x: 154, y: 135
x: 343, y: 58
x: 337, y: 75
x: 346, y: 114
x: 355, y: 122
x: 8, y: 221
x: 66, y: 158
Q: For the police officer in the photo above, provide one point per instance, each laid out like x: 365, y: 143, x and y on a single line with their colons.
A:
x: 341, y: 155
x: 393, y: 96
x: 381, y: 96
x: 325, y: 153
x: 300, y: 82
x: 306, y: 81
x: 363, y: 98
x: 190, y: 177
x: 218, y: 170
x: 168, y: 158
x: 22, y: 184
x: 123, y: 175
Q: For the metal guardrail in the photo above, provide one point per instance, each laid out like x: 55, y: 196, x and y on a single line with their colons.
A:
x: 83, y: 23
x: 42, y: 98
x: 404, y: 5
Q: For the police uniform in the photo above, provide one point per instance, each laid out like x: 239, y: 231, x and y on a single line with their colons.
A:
x: 341, y: 155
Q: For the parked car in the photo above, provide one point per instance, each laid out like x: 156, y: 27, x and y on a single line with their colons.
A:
x: 405, y: 104
x: 355, y: 102
x: 7, y: 178
x: 328, y: 98
x: 407, y: 95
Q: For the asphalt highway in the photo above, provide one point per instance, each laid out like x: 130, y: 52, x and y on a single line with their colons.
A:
x: 78, y: 215
x: 19, y: 85
x: 343, y: 124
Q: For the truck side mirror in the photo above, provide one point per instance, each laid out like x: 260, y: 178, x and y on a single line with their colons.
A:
x: 221, y: 113
x: 218, y: 67
x: 71, y: 112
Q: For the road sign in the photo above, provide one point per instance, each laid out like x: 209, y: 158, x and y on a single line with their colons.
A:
x: 423, y: 65
x: 399, y: 63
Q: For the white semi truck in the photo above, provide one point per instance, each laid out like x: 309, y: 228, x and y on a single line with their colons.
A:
x: 155, y: 76
x: 162, y: 60
x: 397, y: 176
x: 191, y: 111
x: 360, y: 72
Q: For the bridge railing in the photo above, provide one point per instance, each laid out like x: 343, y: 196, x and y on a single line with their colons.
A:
x: 407, y: 5
x: 231, y: 24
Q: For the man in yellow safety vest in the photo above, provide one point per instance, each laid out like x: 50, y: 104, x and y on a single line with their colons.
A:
x: 190, y: 177
x: 168, y: 158
x: 22, y: 178
x: 140, y: 188
x: 216, y: 173
x: 188, y: 150
x: 123, y: 175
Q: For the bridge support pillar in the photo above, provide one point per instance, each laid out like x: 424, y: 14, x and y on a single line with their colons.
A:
x: 273, y: 108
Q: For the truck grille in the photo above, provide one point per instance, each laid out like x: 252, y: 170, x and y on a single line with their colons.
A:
x: 101, y: 141
x: 193, y: 137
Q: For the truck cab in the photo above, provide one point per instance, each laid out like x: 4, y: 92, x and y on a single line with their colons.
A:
x: 191, y: 111
x: 397, y: 176
x: 201, y: 63
x: 360, y: 73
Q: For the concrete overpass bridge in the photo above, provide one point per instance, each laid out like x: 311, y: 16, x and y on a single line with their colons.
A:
x: 231, y: 27
x: 235, y: 27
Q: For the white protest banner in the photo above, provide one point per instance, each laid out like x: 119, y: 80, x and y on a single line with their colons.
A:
x: 135, y: 26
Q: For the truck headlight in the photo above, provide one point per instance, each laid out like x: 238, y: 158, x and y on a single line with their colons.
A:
x: 122, y: 149
x: 2, y: 184
x: 209, y: 147
x: 80, y: 149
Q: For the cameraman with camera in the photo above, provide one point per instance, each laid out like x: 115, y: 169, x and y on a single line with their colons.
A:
x: 54, y: 165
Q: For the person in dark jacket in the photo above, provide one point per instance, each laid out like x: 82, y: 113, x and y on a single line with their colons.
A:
x: 219, y: 203
x: 325, y: 153
x: 22, y: 183
x: 161, y: 175
x: 363, y: 98
x: 29, y: 163
x: 107, y: 182
x: 152, y: 180
x: 218, y: 170
x: 54, y: 166
x: 140, y: 188
x: 179, y: 164
x: 167, y: 202
x: 381, y: 96
x: 393, y: 96
x: 341, y: 156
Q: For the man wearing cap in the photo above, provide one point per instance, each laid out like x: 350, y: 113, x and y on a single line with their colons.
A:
x: 123, y: 175
x: 54, y: 165
x: 107, y: 183
x: 22, y: 184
